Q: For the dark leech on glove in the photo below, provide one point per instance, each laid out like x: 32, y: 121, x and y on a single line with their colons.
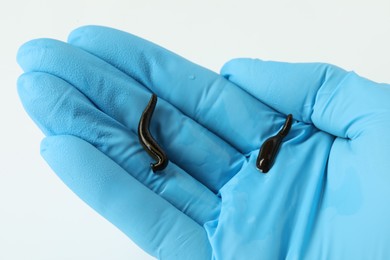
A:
x: 150, y: 145
x: 270, y: 147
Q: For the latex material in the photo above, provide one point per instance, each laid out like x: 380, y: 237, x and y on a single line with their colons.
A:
x: 324, y: 198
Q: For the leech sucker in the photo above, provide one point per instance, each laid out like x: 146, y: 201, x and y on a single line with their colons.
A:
x: 270, y: 147
x: 149, y: 144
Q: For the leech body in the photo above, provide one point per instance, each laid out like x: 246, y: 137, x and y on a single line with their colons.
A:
x: 270, y: 147
x: 147, y: 140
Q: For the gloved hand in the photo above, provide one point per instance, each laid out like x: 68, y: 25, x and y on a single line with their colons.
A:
x: 326, y: 196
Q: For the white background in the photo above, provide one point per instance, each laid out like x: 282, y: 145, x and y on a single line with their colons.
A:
x: 40, y: 218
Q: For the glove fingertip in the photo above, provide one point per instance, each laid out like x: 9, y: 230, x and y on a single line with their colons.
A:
x: 238, y: 66
x: 23, y: 54
x: 88, y: 33
x: 25, y: 84
x: 22, y: 84
x: 82, y: 32
x: 229, y: 66
x: 54, y: 143
x: 46, y: 143
x: 31, y: 54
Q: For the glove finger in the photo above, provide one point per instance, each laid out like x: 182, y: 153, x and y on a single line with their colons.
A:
x: 59, y: 109
x: 124, y: 99
x: 332, y: 99
x: 202, y: 95
x: 149, y: 220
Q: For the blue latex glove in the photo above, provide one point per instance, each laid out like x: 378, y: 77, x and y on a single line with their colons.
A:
x: 326, y: 197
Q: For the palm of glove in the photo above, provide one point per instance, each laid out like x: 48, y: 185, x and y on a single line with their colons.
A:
x: 322, y: 198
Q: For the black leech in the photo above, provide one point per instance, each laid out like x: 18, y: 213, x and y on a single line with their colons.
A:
x: 150, y: 145
x: 270, y: 147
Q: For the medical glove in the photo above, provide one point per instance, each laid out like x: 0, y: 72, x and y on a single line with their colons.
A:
x: 326, y: 196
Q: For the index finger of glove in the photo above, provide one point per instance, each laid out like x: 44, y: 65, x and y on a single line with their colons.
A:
x: 206, y: 97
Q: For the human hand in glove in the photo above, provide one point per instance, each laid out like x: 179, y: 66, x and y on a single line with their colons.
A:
x: 325, y: 197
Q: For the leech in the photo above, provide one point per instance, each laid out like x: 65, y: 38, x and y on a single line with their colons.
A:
x: 270, y: 147
x: 149, y: 144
